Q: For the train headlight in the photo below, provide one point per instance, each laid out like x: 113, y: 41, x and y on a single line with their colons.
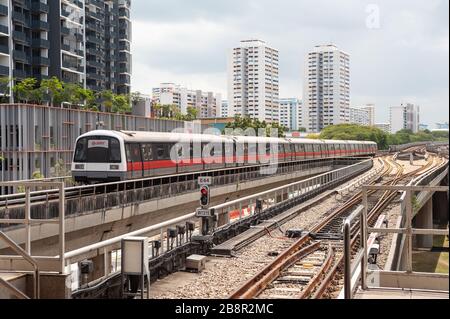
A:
x: 79, y: 166
x: 114, y: 167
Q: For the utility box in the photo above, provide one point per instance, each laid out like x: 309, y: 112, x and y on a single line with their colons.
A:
x: 196, y: 263
x: 135, y: 255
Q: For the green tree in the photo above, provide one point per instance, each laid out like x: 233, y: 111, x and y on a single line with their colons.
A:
x: 136, y: 97
x: 107, y: 98
x: 85, y: 97
x: 53, y: 88
x: 245, y: 123
x: 156, y: 108
x: 121, y: 104
x: 24, y: 89
x: 37, y: 95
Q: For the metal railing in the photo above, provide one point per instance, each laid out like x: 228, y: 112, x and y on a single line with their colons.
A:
x: 26, y: 256
x: 361, y: 181
x: 277, y: 195
x: 50, y: 264
x: 361, y: 258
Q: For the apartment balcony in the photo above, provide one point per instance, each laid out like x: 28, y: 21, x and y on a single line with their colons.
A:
x: 95, y: 76
x: 96, y: 64
x: 96, y: 3
x: 40, y: 25
x: 39, y: 7
x: 4, y: 49
x: 65, y: 31
x: 20, y: 36
x: 21, y: 56
x: 19, y: 17
x: 94, y: 39
x: 41, y: 61
x: 4, y: 29
x: 122, y: 81
x: 95, y: 15
x: 3, y: 10
x: 20, y: 74
x: 124, y: 69
x: 73, y: 67
x: 41, y: 43
x: 91, y: 51
x: 4, y: 70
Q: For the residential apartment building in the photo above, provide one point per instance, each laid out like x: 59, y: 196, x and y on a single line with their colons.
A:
x: 363, y: 115
x: 385, y: 127
x: 327, y: 88
x: 224, y: 109
x: 291, y: 113
x: 405, y: 117
x: 253, y: 81
x: 78, y: 41
x: 208, y: 104
x: 108, y: 45
x: 35, y: 138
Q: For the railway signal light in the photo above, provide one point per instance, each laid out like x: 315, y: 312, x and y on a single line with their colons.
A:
x: 204, y: 196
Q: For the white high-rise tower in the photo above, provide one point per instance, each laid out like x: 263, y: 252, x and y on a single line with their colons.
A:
x: 253, y: 83
x: 327, y: 88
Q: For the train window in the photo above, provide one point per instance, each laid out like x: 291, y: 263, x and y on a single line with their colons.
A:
x: 133, y: 153
x: 81, y: 151
x: 114, y: 151
x: 161, y: 152
x: 280, y: 149
x: 301, y: 148
x: 317, y: 149
x: 98, y: 150
x: 147, y: 152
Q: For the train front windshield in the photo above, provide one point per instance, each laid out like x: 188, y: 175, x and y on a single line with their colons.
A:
x: 97, y: 150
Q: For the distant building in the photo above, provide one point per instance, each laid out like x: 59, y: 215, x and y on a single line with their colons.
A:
x: 385, y: 127
x: 224, y: 110
x: 327, y: 88
x: 363, y: 115
x: 291, y: 113
x: 442, y: 126
x: 360, y: 116
x: 405, y: 117
x: 207, y: 103
x: 423, y: 127
x: 253, y: 81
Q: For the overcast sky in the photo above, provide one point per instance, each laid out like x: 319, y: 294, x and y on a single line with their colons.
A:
x: 400, y: 57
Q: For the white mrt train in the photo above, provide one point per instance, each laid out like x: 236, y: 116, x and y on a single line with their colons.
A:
x: 102, y: 156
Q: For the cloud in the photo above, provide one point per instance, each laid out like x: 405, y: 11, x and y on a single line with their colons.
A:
x: 187, y: 42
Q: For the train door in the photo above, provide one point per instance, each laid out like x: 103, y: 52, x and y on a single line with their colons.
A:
x: 134, y: 161
x: 281, y: 152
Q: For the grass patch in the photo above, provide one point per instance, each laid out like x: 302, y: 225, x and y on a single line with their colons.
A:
x: 434, y: 261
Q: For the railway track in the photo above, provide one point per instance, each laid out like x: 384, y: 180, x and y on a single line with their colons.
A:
x: 313, y: 266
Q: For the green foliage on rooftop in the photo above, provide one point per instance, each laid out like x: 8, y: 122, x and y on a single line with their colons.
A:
x: 244, y: 123
x: 54, y: 92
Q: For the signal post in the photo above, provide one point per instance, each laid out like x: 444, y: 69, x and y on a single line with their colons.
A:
x: 207, y: 215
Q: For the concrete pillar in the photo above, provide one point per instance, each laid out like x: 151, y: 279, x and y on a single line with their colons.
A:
x: 424, y: 220
x: 440, y: 208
